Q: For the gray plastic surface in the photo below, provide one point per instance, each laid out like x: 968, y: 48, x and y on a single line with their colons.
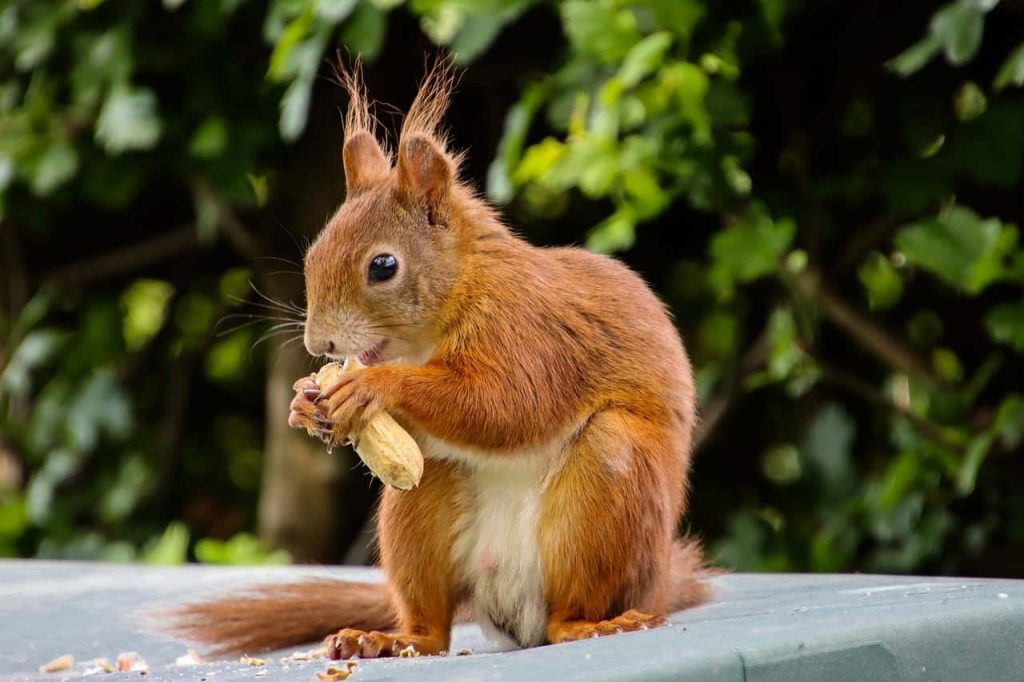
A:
x: 757, y: 628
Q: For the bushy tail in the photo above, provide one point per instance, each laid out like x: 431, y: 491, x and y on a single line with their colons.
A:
x: 268, y: 617
x: 689, y: 574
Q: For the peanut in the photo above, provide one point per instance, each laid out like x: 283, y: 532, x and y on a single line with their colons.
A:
x: 384, y: 446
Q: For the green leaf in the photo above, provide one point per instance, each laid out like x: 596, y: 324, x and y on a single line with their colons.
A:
x: 914, y: 58
x: 477, y: 33
x: 947, y: 365
x: 974, y: 456
x: 226, y: 360
x: 643, y: 58
x: 210, y: 138
x: 617, y: 233
x: 1005, y: 324
x: 500, y: 187
x: 33, y: 352
x: 365, y: 30
x: 970, y: 102
x: 691, y: 87
x: 748, y: 250
x: 787, y: 361
x: 959, y: 27
x: 644, y: 190
x: 101, y: 407
x: 959, y: 247
x: 291, y: 37
x: 539, y: 159
x: 128, y: 120
x: 882, y: 283
x: 737, y: 178
x: 1012, y: 70
x: 781, y: 464
x: 295, y: 108
x: 303, y: 62
x: 599, y: 29
x: 598, y: 175
x: 145, y: 308
x: 6, y: 171
x: 57, y: 165
x: 13, y: 521
x: 827, y: 448
x: 59, y: 465
x: 35, y: 40
x: 900, y: 477
x: 241, y: 549
x: 171, y: 548
x: 133, y: 482
x: 333, y: 11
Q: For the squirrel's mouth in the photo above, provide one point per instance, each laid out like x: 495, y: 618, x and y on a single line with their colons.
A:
x: 373, y: 355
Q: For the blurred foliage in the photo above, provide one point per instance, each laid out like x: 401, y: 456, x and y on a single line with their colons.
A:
x: 837, y: 242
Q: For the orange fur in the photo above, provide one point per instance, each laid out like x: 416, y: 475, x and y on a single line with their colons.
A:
x: 506, y: 362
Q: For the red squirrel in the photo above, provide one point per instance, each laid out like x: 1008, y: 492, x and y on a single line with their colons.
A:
x: 547, y: 388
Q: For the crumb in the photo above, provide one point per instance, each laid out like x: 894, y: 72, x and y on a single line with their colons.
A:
x: 130, y: 661
x: 254, y: 662
x: 58, y: 664
x: 190, y: 657
x: 464, y: 652
x: 301, y: 656
x: 409, y: 652
x: 99, y: 665
x: 334, y: 673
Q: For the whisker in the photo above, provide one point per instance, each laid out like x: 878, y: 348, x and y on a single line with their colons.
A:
x: 260, y: 316
x: 396, y: 326
x: 253, y: 320
x: 274, y: 301
x: 283, y: 346
x: 279, y: 309
x: 266, y: 336
x: 289, y: 261
x: 290, y: 236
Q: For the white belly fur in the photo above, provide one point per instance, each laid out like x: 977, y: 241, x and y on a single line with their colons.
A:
x: 496, y: 550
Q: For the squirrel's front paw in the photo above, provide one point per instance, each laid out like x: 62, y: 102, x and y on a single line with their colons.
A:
x: 303, y: 413
x: 351, y: 402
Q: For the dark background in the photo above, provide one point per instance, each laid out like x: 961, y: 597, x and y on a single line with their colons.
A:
x: 838, y: 247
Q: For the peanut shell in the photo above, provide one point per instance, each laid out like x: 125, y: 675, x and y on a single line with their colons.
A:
x: 384, y: 446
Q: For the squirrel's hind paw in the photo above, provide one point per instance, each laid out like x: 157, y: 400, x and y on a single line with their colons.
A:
x: 349, y: 642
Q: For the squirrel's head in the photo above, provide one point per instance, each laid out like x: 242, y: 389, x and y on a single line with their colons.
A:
x: 380, y: 272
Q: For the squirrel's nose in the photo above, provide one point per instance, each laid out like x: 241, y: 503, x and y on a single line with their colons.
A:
x: 318, y: 346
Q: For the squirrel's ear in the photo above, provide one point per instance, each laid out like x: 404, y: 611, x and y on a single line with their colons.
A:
x: 365, y: 162
x: 424, y: 172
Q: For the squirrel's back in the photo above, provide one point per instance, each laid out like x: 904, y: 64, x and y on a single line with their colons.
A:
x: 599, y: 328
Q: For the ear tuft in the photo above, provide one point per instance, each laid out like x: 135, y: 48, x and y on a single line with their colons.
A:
x: 424, y: 171
x: 365, y: 162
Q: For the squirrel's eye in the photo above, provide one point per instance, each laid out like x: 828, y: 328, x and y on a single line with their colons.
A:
x: 383, y: 268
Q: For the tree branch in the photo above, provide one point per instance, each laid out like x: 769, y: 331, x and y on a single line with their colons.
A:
x: 722, y: 400
x: 865, y: 239
x: 17, y: 279
x: 123, y: 260
x: 237, y: 234
x: 868, y: 333
x: 858, y: 386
